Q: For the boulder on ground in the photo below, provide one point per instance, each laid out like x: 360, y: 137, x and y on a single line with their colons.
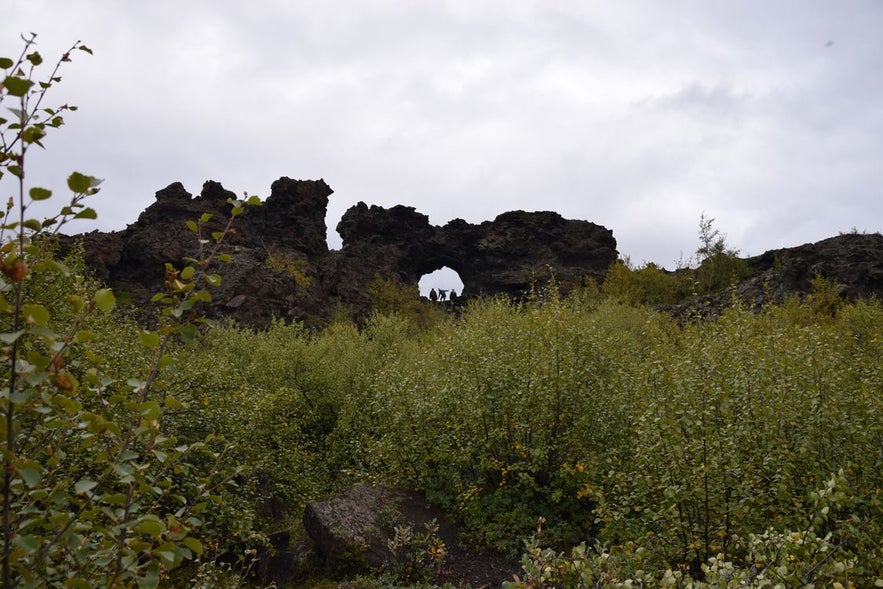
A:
x: 351, y: 530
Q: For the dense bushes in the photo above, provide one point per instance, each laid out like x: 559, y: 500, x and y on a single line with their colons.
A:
x: 97, y: 489
x: 684, y: 445
x: 501, y: 414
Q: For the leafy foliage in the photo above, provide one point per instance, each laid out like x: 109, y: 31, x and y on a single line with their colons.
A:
x: 389, y: 296
x: 647, y: 285
x: 719, y: 266
x: 295, y: 267
x: 96, y: 490
x: 774, y: 559
x: 688, y: 445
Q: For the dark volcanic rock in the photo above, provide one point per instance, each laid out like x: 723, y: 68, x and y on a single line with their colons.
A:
x: 351, y: 532
x: 293, y: 217
x: 519, y: 249
x: 507, y: 255
x: 852, y: 262
x: 281, y: 265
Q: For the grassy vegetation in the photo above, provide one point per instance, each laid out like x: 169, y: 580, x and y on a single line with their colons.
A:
x: 673, y: 445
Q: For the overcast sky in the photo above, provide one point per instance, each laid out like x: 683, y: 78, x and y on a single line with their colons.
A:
x: 638, y: 115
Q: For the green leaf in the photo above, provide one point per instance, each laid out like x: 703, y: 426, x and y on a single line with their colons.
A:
x: 6, y: 63
x: 104, y: 299
x: 188, y: 272
x: 127, y: 455
x: 193, y: 544
x: 34, y: 58
x: 76, y: 302
x: 87, y: 213
x: 205, y: 218
x: 59, y: 267
x: 150, y: 526
x: 189, y: 333
x: 202, y: 296
x: 254, y: 201
x: 31, y: 473
x: 225, y: 258
x: 173, y: 403
x: 114, y: 499
x: 85, y: 49
x: 150, y: 579
x: 136, y: 384
x: 80, y: 183
x: 33, y: 224
x: 39, y: 193
x: 16, y: 86
x: 84, y: 486
x: 213, y: 279
x: 35, y: 314
x: 20, y: 115
x: 84, y: 336
x: 149, y: 339
x: 192, y: 226
x: 170, y: 554
x: 33, y: 134
x: 29, y: 543
x: 10, y: 337
x: 149, y: 410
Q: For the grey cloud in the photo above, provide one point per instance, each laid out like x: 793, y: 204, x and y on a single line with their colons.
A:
x: 639, y: 116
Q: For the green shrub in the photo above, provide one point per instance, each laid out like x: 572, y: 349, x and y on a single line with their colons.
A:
x: 773, y: 558
x: 391, y: 297
x: 647, y: 285
x: 498, y: 414
x: 718, y: 265
x: 689, y: 446
x: 291, y: 401
x: 97, y: 491
x: 739, y: 420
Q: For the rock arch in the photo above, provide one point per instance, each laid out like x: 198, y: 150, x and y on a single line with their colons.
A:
x: 506, y: 255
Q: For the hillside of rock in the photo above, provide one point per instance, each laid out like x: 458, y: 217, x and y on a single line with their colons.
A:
x: 282, y: 267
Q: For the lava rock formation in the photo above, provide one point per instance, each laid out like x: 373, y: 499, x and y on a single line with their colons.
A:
x: 282, y: 267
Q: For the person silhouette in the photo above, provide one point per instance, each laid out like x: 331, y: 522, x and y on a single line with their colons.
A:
x: 433, y: 296
x: 442, y: 294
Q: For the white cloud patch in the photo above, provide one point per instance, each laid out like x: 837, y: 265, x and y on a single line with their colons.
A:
x: 639, y: 116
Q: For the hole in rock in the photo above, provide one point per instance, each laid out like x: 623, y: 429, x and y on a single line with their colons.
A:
x: 442, y: 279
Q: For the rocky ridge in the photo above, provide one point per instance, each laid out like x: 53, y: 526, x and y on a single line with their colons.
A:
x: 282, y: 267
